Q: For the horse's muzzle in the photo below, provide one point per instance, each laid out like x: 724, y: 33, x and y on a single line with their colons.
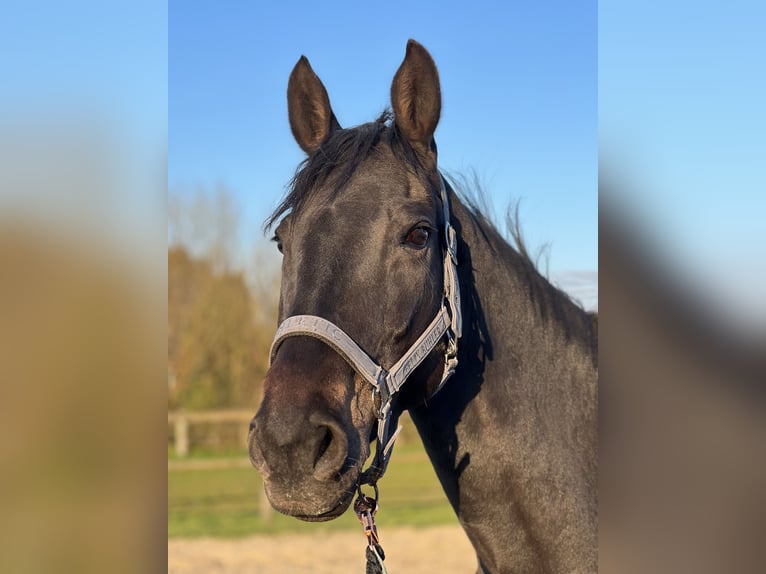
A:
x: 304, y: 461
x: 317, y: 446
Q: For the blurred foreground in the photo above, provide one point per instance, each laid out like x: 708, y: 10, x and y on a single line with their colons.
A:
x: 683, y: 426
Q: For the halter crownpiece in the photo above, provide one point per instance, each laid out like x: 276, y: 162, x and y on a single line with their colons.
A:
x: 448, y: 322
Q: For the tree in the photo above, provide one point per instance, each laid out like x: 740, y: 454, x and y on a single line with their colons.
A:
x: 211, y: 335
x: 221, y: 308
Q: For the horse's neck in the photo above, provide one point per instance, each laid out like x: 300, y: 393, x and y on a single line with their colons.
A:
x: 513, y: 435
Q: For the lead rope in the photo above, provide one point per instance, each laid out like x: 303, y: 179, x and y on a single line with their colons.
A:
x: 365, y: 508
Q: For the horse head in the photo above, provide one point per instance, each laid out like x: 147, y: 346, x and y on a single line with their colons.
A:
x: 362, y: 237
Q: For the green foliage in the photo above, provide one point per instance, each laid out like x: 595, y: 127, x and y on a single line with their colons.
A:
x: 212, y: 351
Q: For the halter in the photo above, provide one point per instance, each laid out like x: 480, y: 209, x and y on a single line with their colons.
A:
x: 387, y: 383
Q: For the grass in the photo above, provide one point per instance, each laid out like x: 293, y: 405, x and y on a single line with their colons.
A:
x: 225, y: 502
x: 203, y: 453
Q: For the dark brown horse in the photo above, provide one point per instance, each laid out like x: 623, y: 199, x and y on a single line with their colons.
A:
x: 364, y: 231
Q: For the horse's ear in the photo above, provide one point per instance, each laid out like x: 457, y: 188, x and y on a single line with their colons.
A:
x: 416, y: 96
x: 311, y: 117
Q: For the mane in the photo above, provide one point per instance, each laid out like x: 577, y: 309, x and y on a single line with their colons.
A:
x: 338, y: 157
x: 471, y: 192
x: 551, y: 302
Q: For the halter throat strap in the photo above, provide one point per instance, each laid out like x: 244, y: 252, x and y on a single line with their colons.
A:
x: 447, y: 322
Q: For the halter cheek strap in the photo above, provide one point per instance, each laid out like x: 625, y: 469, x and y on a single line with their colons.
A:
x: 448, y: 322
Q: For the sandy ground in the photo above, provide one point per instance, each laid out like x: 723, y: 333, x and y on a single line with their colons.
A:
x: 442, y: 550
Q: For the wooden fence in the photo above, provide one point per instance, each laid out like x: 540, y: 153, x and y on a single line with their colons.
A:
x: 181, y: 420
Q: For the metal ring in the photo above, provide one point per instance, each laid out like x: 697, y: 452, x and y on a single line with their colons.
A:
x: 374, y: 487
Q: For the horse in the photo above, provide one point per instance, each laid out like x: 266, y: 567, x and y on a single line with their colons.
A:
x: 504, y: 391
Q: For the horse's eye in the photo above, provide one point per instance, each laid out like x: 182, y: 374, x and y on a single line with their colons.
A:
x: 418, y: 237
x: 278, y: 241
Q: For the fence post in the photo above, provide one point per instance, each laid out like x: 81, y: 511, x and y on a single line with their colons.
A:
x: 181, y: 435
x: 244, y: 434
x: 265, y: 510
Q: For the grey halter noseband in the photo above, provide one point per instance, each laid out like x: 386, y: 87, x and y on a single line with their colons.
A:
x: 448, y: 321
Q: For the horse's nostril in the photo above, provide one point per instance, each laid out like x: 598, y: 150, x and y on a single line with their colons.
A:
x: 289, y: 446
x: 331, y: 453
x: 324, y: 445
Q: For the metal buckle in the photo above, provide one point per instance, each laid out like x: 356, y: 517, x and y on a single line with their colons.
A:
x: 365, y: 508
x: 452, y: 243
x: 385, y: 406
x: 451, y: 346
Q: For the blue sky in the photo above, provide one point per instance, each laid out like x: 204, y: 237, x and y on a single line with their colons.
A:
x: 518, y: 85
x: 83, y: 122
x: 682, y: 128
